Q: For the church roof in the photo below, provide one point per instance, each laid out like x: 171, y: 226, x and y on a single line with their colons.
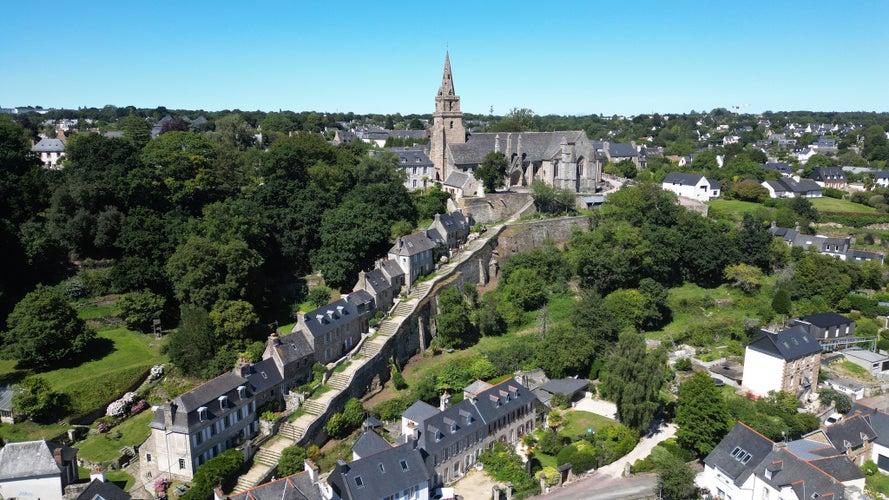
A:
x: 447, y: 81
x: 535, y: 146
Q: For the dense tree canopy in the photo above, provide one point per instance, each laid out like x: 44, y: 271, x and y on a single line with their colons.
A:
x: 44, y: 330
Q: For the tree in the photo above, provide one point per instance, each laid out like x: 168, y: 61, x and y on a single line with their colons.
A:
x: 234, y: 322
x: 319, y: 295
x: 453, y: 328
x: 676, y: 480
x: 44, y: 330
x: 633, y: 377
x: 781, y: 303
x: 492, y: 171
x: 525, y: 288
x: 36, y: 400
x: 564, y: 351
x: 220, y: 469
x: 136, y: 130
x: 551, y: 200
x: 293, y: 460
x: 702, y: 415
x: 754, y: 242
x: 203, y: 272
x: 745, y: 277
x: 139, y: 309
x: 193, y: 343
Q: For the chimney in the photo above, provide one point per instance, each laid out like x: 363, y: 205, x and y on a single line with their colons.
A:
x: 169, y: 414
x: 362, y: 279
x: 57, y: 455
x: 243, y: 368
x: 398, y: 242
x: 497, y: 143
x: 445, y: 401
x: 97, y: 473
x: 273, y: 339
x: 313, y: 469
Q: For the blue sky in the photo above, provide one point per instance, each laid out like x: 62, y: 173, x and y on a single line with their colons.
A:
x: 570, y: 57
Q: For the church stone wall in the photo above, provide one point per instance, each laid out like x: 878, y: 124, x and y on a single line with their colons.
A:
x: 494, y: 206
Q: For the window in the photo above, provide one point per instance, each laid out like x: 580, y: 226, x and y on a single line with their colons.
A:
x: 181, y: 463
x: 403, y: 465
x: 382, y: 469
x: 148, y: 457
x: 359, y: 482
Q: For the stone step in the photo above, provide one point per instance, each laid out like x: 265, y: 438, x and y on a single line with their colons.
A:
x: 371, y: 349
x: 291, y: 431
x: 267, y: 457
x: 314, y: 407
x: 244, y: 484
x: 402, y: 309
x: 388, y: 328
x: 339, y: 381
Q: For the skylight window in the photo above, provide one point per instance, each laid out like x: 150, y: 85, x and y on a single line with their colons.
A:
x: 403, y: 465
x: 359, y: 481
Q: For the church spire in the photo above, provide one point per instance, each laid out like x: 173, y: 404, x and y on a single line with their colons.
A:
x: 447, y: 82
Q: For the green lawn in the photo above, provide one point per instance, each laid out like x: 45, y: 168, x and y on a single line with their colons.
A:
x: 878, y: 482
x: 120, y: 478
x: 105, y: 447
x: 29, y: 431
x: 577, y: 422
x: 825, y: 204
x: 90, y: 310
x: 735, y: 206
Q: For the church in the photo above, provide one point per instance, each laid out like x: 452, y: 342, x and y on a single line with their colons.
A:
x: 565, y: 159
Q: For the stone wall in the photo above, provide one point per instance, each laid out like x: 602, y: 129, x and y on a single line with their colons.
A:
x: 526, y: 236
x: 416, y: 330
x: 494, y: 206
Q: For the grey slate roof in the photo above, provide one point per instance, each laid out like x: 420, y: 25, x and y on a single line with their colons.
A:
x: 682, y: 179
x: 445, y: 428
x: 391, y: 268
x: 376, y: 280
x: 294, y: 487
x: 411, y: 157
x: 826, y: 320
x: 622, y: 150
x: 878, y: 420
x: 827, y: 174
x: 412, y: 244
x: 382, y: 474
x: 853, y: 431
x: 6, y: 394
x: 745, y: 439
x: 781, y: 167
x: 185, y: 414
x: 330, y: 317
x: 292, y: 348
x: 457, y: 179
x: 419, y: 411
x: 99, y: 490
x: 28, y: 459
x: 804, y: 477
x: 787, y: 184
x: 535, y: 146
x: 49, y: 146
x: 369, y: 443
x: 789, y: 344
x: 565, y: 386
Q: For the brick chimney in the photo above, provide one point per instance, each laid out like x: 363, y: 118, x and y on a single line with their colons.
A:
x: 445, y: 401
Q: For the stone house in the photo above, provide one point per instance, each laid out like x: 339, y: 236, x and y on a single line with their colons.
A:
x: 334, y: 329
x: 788, y: 360
x: 852, y: 436
x: 414, y: 254
x: 50, y: 152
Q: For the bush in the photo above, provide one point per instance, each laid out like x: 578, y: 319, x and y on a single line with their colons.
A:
x: 398, y: 381
x: 392, y: 409
x: 682, y: 365
x: 139, y: 309
x: 552, y: 476
x: 550, y: 443
x: 319, y: 296
x: 221, y: 469
x: 292, y: 460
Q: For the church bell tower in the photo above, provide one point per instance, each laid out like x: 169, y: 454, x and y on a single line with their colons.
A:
x: 447, y: 123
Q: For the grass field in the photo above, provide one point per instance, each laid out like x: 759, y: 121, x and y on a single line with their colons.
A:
x: 577, y: 422
x: 825, y: 204
x: 105, y: 447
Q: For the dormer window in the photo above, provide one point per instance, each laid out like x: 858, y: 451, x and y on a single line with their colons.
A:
x: 242, y: 391
x: 223, y: 402
x: 202, y: 413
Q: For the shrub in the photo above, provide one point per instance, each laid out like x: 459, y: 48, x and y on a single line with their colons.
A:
x: 221, y: 469
x: 398, y: 381
x: 552, y: 476
x: 550, y: 443
x: 319, y: 296
x: 682, y: 365
x: 393, y: 408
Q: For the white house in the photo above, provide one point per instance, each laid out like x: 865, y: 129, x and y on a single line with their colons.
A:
x: 793, y: 187
x: 788, y: 360
x: 696, y: 187
x: 50, y: 152
x: 36, y: 469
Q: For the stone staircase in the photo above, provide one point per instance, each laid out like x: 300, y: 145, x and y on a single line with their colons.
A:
x: 267, y: 456
x: 370, y: 349
x: 402, y: 309
x: 314, y: 406
x: 388, y: 328
x: 340, y: 380
x: 291, y: 431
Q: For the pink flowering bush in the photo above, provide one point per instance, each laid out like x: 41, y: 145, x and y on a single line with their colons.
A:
x: 138, y: 407
x: 160, y: 487
x: 103, y: 427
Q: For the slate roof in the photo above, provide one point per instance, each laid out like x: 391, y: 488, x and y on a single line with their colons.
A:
x: 854, y: 431
x: 787, y: 184
x: 565, y: 386
x: 382, y: 474
x: 419, y: 411
x: 828, y: 174
x: 535, y: 146
x: 411, y: 157
x: 445, y: 428
x: 330, y: 317
x: 789, y: 344
x: 457, y: 179
x: 369, y: 443
x: 391, y: 268
x: 714, y: 184
x: 186, y: 416
x: 376, y: 280
x: 49, y: 146
x: 103, y: 490
x: 781, y: 167
x: 826, y: 319
x: 412, y: 244
x: 292, y: 348
x: 804, y: 477
x: 622, y: 150
x: 878, y: 420
x: 294, y: 487
x: 28, y: 459
x: 682, y: 179
x: 740, y: 438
